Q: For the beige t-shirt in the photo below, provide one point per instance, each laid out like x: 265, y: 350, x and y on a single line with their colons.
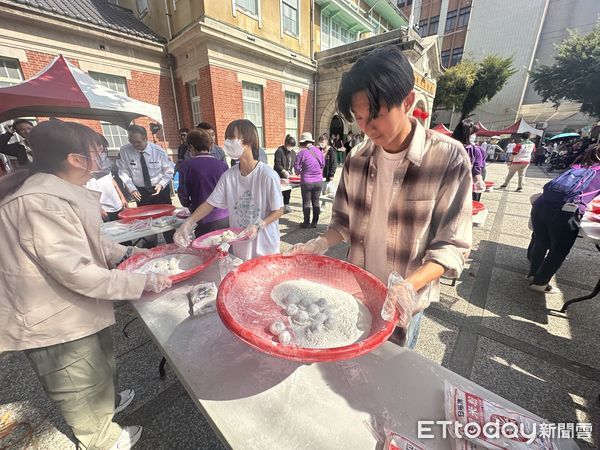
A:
x: 376, y: 238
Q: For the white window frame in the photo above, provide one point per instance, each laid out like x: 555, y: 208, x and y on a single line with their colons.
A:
x: 235, y: 8
x: 8, y: 81
x: 250, y: 115
x: 112, y: 133
x: 115, y: 82
x: 296, y: 106
x: 325, y: 35
x: 195, y: 102
x: 295, y: 34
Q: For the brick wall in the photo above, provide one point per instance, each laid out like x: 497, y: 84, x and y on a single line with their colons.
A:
x: 274, y: 114
x: 150, y: 88
x: 227, y: 99
x: 306, y: 112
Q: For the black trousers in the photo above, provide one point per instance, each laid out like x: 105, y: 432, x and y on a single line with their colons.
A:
x: 552, y: 240
x: 112, y: 216
x: 286, y: 197
x: 539, y: 160
x: 163, y: 198
x: 310, y: 196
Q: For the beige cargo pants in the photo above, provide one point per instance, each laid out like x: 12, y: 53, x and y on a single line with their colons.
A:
x: 516, y: 168
x: 80, y: 377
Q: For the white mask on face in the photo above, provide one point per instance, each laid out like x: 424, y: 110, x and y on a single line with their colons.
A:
x: 233, y: 148
x: 472, y: 139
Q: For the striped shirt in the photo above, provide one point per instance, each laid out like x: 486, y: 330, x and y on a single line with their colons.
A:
x: 429, y: 218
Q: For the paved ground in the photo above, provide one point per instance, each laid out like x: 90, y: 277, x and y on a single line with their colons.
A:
x: 488, y: 328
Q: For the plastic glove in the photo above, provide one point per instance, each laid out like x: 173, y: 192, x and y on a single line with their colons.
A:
x: 252, y: 230
x: 317, y: 246
x: 479, y: 186
x: 285, y: 174
x: 138, y: 251
x: 184, y: 235
x: 401, y: 295
x: 157, y: 282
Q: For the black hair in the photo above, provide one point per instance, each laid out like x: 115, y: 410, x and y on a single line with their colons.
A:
x: 51, y: 142
x: 184, y: 130
x: 246, y: 131
x: 289, y: 140
x: 526, y: 135
x: 103, y: 140
x: 464, y: 130
x: 137, y: 129
x: 205, y: 126
x: 386, y: 77
x: 21, y: 121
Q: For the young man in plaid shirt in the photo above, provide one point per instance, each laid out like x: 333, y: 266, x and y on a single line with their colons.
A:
x: 404, y: 199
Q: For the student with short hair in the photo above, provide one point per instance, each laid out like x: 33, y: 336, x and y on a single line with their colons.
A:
x: 215, y: 150
x: 404, y: 198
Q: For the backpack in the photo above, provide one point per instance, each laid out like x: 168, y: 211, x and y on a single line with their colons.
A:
x: 569, y: 186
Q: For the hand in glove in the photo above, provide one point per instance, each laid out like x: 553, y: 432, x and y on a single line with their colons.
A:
x: 285, y: 174
x: 479, y: 186
x: 157, y: 282
x: 317, y: 246
x: 401, y: 296
x: 252, y: 230
x: 185, y: 233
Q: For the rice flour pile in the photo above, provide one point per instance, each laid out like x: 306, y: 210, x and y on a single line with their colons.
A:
x: 318, y: 316
x: 226, y: 236
x: 170, y: 265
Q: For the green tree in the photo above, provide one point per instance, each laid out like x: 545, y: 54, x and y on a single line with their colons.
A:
x: 575, y: 75
x: 453, y: 86
x: 492, y: 74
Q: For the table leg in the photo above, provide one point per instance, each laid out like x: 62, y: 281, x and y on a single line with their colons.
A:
x: 161, y: 368
x: 580, y: 299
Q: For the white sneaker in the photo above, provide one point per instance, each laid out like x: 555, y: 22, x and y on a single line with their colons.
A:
x: 125, y: 398
x: 544, y: 289
x: 287, y: 209
x: 129, y: 436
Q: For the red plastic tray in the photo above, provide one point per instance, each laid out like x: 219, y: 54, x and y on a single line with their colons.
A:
x: 489, y: 184
x: 146, y: 212
x: 198, y: 241
x: 478, y: 207
x: 294, y: 179
x: 208, y: 257
x: 245, y: 306
x: 595, y: 206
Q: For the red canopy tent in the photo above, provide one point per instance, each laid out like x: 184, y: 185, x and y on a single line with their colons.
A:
x: 63, y: 90
x: 441, y: 128
x: 520, y: 126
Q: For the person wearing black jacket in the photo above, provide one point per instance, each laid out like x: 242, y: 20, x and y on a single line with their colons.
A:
x: 18, y: 150
x: 284, y: 166
x: 330, y: 162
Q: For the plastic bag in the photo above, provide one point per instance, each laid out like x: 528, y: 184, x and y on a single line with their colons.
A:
x: 489, y: 425
x: 202, y: 299
x: 395, y: 441
x: 330, y: 189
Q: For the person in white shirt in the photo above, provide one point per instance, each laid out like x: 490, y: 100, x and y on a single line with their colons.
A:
x: 519, y: 161
x: 250, y: 190
x: 145, y: 169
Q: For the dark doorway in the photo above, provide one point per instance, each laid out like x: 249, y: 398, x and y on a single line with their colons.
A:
x: 336, y: 126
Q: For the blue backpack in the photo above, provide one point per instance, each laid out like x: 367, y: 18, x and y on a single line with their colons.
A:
x: 569, y: 186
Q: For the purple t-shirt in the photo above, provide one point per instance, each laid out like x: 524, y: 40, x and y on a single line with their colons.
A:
x: 197, y: 179
x: 477, y: 157
x: 309, y: 165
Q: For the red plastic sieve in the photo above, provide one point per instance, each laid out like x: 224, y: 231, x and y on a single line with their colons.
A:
x: 478, y: 207
x: 146, y: 212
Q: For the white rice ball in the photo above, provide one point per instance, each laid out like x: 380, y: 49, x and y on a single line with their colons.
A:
x: 330, y: 323
x: 285, y: 338
x: 312, y: 310
x: 301, y: 317
x: 306, y: 302
x: 292, y: 309
x: 322, y: 303
x: 277, y: 327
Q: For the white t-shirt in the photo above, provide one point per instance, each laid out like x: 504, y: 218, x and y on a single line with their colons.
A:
x: 249, y: 199
x: 109, y: 200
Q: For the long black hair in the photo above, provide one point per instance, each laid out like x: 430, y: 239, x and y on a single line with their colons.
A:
x: 50, y: 143
x: 464, y: 130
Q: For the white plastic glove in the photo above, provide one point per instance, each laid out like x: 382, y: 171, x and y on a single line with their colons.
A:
x: 317, y: 246
x: 138, y: 251
x: 157, y: 282
x: 252, y: 230
x: 401, y: 295
x: 285, y: 174
x: 184, y: 235
x: 479, y: 186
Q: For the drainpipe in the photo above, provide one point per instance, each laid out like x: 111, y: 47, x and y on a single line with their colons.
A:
x: 312, y: 58
x: 170, y: 62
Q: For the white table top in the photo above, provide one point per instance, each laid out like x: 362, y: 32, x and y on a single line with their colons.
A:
x: 255, y: 401
x: 113, y: 231
x: 590, y: 230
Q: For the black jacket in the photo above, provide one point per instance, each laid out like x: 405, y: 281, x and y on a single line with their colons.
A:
x: 284, y: 160
x: 330, y: 165
x: 15, y: 149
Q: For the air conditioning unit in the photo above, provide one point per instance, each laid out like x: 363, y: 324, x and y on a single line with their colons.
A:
x: 541, y: 125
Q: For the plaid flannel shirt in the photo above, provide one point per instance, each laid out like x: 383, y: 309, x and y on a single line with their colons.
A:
x: 430, y: 215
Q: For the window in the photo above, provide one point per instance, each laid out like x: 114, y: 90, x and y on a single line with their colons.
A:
x: 253, y: 107
x: 463, y: 17
x: 325, y: 31
x: 446, y: 58
x: 403, y: 3
x: 423, y: 28
x: 195, y: 103
x: 334, y: 33
x: 10, y: 72
x: 457, y: 54
x: 114, y: 134
x: 291, y: 114
x: 250, y: 6
x: 289, y: 13
x: 142, y: 6
x: 433, y: 25
x: 114, y: 82
x: 451, y: 20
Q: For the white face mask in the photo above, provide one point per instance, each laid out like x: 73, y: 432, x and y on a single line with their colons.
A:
x: 472, y: 139
x: 233, y: 148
